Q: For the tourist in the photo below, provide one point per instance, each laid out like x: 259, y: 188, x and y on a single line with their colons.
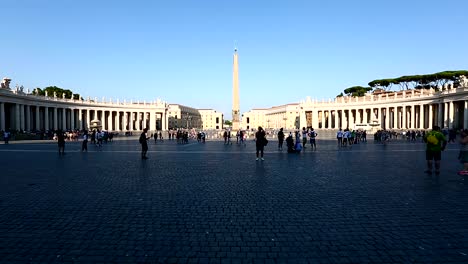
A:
x: 61, y: 142
x: 280, y: 139
x: 99, y: 138
x: 313, y: 135
x: 435, y: 144
x: 144, y: 144
x: 304, y: 137
x: 241, y: 138
x: 225, y: 136
x: 84, y: 145
x: 290, y: 143
x: 6, y: 136
x: 260, y: 142
x: 298, y: 146
x: 339, y: 137
x: 463, y: 155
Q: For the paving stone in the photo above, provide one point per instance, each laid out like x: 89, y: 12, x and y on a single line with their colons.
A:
x: 210, y: 203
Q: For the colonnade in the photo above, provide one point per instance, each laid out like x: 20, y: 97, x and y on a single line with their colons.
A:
x: 41, y: 117
x: 451, y: 114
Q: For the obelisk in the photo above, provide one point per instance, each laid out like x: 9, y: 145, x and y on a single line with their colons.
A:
x: 235, y: 94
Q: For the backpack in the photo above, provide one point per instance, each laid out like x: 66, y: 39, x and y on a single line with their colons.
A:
x: 432, y: 139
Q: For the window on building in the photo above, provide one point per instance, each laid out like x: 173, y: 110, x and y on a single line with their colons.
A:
x: 217, y: 120
x: 248, y: 121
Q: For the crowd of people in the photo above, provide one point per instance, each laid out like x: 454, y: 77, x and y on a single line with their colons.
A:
x: 296, y: 141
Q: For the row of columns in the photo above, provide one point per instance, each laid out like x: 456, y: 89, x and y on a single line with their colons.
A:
x: 26, y: 117
x: 423, y: 116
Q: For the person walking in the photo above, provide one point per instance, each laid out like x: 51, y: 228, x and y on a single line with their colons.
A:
x: 260, y: 142
x: 280, y: 139
x: 61, y: 142
x: 84, y: 145
x: 144, y: 143
x: 339, y: 137
x: 312, y: 136
x: 304, y: 137
x: 463, y: 155
x: 435, y: 144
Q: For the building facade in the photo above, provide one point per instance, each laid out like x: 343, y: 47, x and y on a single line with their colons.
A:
x: 211, y: 119
x: 283, y: 116
x: 24, y: 111
x: 408, y: 109
x: 181, y: 116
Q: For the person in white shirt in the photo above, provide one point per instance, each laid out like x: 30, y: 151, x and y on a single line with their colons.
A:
x: 339, y: 137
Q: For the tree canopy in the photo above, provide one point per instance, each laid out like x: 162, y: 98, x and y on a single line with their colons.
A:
x: 60, y: 91
x: 227, y: 122
x: 425, y: 81
x: 357, y: 90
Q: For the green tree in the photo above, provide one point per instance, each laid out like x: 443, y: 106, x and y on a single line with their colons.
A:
x: 59, y: 91
x: 357, y: 91
x: 227, y: 122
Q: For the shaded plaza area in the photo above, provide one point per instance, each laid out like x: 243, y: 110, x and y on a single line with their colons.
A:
x: 211, y: 203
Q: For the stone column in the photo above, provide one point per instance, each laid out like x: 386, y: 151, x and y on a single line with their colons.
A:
x: 395, y: 117
x: 22, y: 116
x: 336, y: 120
x: 163, y: 121
x: 359, y: 116
x: 344, y: 119
x: 130, y: 125
x: 72, y: 119
x: 413, y: 117
x: 315, y: 121
x: 322, y: 119
x: 145, y: 118
x: 2, y: 117
x: 465, y: 116
x: 138, y: 121
x: 17, y: 117
x: 380, y: 113
x: 80, y: 119
x: 28, y: 118
x: 46, y: 118
x: 64, y: 119
x: 445, y: 121
x: 103, y: 119
x: 387, y: 117
x: 116, y: 121
x: 302, y: 118
x: 88, y: 119
x: 152, y: 120
x: 109, y: 122
x: 365, y: 117
x: 440, y: 115
x: 451, y: 115
x: 124, y: 121
x: 430, y: 122
x: 55, y: 117
x: 38, y: 118
x: 421, y: 117
x: 403, y: 114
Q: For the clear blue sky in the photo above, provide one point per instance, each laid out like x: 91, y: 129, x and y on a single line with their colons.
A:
x: 181, y: 51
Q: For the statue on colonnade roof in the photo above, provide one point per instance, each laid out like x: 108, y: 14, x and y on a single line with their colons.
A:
x: 5, y: 83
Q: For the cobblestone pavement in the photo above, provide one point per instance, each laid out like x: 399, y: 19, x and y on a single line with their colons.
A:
x: 210, y: 203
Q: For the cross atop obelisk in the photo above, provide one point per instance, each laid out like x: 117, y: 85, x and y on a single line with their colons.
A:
x: 235, y: 94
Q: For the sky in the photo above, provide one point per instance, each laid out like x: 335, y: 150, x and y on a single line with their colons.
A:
x: 182, y: 51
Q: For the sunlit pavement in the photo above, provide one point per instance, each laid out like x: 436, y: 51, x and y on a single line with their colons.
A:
x: 211, y: 203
